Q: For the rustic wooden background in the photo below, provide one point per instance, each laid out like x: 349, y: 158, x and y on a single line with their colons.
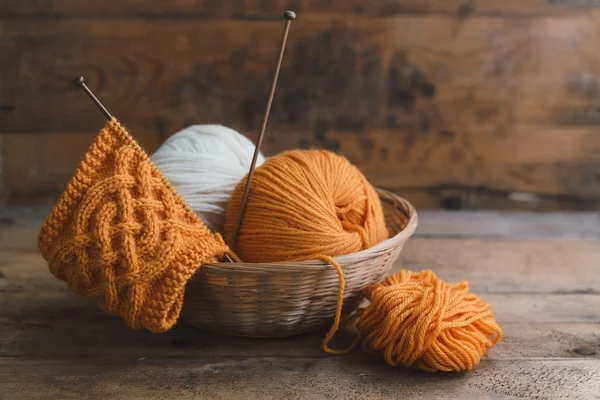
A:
x: 499, y: 93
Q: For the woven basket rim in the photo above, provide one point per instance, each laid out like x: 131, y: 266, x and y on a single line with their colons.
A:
x: 284, y: 266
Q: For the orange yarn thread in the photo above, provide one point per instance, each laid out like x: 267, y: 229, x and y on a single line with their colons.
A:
x: 338, y: 312
x: 304, y: 204
x: 419, y: 321
x: 121, y: 235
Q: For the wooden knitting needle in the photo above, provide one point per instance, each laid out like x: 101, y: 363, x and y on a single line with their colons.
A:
x: 79, y: 81
x: 289, y: 16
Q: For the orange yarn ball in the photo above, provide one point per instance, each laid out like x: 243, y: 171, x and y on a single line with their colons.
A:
x: 304, y: 204
x: 417, y: 320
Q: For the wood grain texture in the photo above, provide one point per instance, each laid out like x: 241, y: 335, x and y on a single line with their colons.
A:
x: 544, y: 293
x: 357, y: 377
x: 3, y: 188
x: 432, y: 224
x: 267, y: 10
x: 48, y: 320
x: 510, y: 225
x: 19, y: 228
x: 533, y: 266
x: 41, y: 317
x: 510, y: 266
x: 413, y: 100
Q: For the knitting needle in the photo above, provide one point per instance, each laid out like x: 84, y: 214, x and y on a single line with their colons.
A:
x: 289, y: 16
x: 79, y: 81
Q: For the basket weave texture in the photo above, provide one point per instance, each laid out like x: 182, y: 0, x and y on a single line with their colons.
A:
x: 291, y: 298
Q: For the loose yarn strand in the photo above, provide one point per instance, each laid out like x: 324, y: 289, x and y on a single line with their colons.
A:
x: 338, y: 311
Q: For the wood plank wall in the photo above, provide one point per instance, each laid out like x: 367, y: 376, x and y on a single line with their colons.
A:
x: 415, y: 92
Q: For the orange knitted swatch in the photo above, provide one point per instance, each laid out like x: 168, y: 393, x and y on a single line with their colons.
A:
x: 121, y: 235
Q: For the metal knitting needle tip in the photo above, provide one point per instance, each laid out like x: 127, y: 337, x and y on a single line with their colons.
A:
x: 80, y: 82
x: 289, y: 16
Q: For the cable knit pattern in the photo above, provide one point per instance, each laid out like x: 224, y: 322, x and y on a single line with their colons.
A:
x: 121, y: 235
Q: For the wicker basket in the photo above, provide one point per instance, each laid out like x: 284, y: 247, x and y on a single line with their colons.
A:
x: 290, y: 298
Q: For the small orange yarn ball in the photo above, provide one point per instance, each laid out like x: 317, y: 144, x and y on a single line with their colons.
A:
x: 417, y: 320
x: 303, y: 204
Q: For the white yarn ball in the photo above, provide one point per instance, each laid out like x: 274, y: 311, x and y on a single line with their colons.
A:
x: 204, y: 163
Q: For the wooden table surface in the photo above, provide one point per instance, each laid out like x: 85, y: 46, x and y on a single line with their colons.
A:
x: 540, y: 272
